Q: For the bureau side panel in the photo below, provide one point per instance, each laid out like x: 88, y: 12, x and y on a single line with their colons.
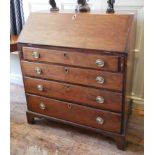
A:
x: 129, y: 63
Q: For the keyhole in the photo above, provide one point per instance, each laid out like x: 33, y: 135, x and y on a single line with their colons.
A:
x: 69, y: 106
x: 65, y: 54
x: 73, y: 17
x: 66, y: 70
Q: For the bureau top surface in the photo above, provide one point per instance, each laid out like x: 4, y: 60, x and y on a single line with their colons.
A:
x: 107, y: 32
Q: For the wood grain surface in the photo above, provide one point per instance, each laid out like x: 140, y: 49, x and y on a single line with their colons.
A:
x: 81, y: 76
x: 74, y: 58
x: 74, y: 93
x: 86, y: 31
x: 75, y: 113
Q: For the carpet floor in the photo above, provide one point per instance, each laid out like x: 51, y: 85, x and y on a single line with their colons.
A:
x: 51, y: 138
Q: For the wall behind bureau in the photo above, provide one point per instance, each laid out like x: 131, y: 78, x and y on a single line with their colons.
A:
x: 135, y: 6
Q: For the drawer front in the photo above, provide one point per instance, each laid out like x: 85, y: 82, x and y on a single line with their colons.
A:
x: 75, y: 113
x: 82, y: 95
x: 86, y: 77
x: 96, y: 61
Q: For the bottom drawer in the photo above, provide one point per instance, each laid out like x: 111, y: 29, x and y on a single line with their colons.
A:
x: 83, y: 115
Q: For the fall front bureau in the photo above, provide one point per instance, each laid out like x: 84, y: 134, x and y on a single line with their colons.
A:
x: 79, y: 71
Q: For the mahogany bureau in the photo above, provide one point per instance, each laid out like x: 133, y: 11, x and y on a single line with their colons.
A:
x: 77, y: 69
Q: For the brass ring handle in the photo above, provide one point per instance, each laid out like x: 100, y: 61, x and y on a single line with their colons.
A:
x: 99, y: 120
x: 42, y: 106
x: 40, y: 87
x: 99, y: 99
x: 35, y: 55
x: 38, y: 70
x: 100, y: 63
x: 99, y: 79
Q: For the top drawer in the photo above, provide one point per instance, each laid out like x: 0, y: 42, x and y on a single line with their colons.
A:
x: 89, y: 60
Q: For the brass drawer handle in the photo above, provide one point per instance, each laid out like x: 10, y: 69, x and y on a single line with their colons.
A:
x: 100, y: 63
x: 35, y: 55
x: 99, y: 79
x: 42, y: 106
x: 38, y: 70
x: 99, y: 99
x: 99, y: 120
x: 40, y: 87
x: 66, y: 70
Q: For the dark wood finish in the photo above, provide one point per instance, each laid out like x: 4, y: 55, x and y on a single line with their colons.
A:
x: 30, y: 119
x: 71, y: 58
x: 121, y: 142
x: 74, y: 75
x: 13, y: 43
x: 86, y: 31
x: 75, y: 113
x: 13, y: 47
x: 74, y: 93
x: 68, y: 49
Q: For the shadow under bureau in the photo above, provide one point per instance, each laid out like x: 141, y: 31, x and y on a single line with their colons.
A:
x: 78, y: 70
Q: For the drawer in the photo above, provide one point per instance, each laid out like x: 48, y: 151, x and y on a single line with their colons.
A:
x: 86, y: 77
x: 89, y: 60
x: 82, y: 95
x: 75, y: 113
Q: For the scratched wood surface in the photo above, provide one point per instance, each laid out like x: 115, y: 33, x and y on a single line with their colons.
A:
x: 50, y: 138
